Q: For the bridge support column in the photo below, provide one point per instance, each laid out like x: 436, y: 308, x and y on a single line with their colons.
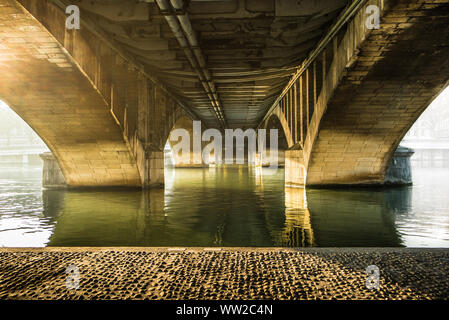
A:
x: 52, y: 177
x: 399, y: 170
x: 156, y: 168
x: 295, y: 173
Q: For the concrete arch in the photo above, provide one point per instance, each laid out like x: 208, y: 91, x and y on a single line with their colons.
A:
x: 105, y: 120
x: 349, y: 109
x: 290, y: 156
x: 284, y: 127
x: 352, y: 137
x: 41, y: 82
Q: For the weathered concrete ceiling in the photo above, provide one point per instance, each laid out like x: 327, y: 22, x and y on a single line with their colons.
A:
x: 250, y: 48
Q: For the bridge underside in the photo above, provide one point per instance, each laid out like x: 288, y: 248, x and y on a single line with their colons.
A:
x: 346, y: 112
x: 399, y: 70
x: 103, y: 119
x: 105, y: 98
x: 43, y: 84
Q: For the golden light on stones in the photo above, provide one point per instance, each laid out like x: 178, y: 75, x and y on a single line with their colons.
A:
x: 295, y: 172
x: 298, y: 230
x: 105, y: 97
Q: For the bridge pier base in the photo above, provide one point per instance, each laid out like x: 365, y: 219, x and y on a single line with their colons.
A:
x: 52, y: 177
x: 295, y: 172
x: 399, y: 171
x: 156, y: 169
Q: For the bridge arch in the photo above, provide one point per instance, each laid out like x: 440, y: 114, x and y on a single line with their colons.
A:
x: 25, y: 140
x: 350, y: 105
x: 79, y: 131
x: 277, y: 120
x: 41, y: 82
x: 104, y: 118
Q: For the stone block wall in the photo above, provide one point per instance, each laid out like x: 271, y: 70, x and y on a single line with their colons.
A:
x: 98, y: 113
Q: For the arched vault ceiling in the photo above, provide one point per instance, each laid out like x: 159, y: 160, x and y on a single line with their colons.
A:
x: 251, y: 47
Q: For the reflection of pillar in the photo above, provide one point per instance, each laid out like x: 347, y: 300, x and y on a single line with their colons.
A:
x: 399, y: 200
x: 52, y: 175
x: 298, y: 228
x: 295, y: 174
x: 295, y: 198
x: 258, y: 160
x: 151, y: 212
x: 156, y: 202
x: 258, y: 176
x: 99, y: 219
x: 53, y: 203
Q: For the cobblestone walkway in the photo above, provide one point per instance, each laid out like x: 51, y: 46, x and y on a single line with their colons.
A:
x: 139, y: 273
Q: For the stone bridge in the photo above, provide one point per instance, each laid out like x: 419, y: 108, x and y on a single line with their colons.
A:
x: 105, y: 98
x: 347, y: 108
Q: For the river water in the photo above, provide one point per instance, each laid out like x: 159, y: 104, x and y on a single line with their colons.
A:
x: 224, y: 207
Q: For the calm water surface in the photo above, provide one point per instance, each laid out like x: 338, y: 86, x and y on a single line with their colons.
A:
x: 224, y: 207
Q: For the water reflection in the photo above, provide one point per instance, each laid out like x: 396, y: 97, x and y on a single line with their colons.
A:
x: 98, y: 219
x: 22, y: 222
x: 237, y: 206
x: 197, y: 208
x: 298, y: 231
x: 366, y: 217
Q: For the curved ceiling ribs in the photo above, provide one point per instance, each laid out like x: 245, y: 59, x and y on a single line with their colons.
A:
x: 228, y: 60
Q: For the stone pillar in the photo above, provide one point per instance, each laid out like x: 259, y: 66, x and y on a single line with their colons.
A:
x: 156, y: 168
x: 295, y: 173
x: 399, y: 170
x: 151, y: 166
x: 52, y: 175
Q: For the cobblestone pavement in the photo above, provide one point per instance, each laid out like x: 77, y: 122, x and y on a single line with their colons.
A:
x: 161, y: 273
